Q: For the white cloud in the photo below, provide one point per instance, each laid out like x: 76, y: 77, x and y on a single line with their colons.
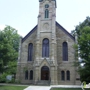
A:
x: 2, y: 27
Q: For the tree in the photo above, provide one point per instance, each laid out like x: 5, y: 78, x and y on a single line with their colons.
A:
x: 79, y: 27
x: 9, y: 42
x: 84, y: 53
x: 83, y: 48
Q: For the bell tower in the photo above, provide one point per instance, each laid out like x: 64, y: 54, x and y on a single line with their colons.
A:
x: 47, y: 17
x: 46, y: 46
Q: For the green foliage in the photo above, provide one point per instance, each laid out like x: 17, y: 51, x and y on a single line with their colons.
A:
x: 9, y: 43
x: 3, y: 78
x: 83, y: 49
x: 12, y: 81
x: 79, y: 27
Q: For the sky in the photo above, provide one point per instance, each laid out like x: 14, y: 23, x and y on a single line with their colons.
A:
x: 22, y: 14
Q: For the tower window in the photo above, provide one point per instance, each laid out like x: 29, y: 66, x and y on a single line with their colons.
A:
x: 46, y: 6
x: 45, y: 48
x: 46, y: 13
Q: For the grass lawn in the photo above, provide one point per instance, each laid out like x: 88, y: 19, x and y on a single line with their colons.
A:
x: 12, y: 87
x: 66, y: 89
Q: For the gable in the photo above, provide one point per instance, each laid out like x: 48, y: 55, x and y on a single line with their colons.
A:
x: 57, y: 24
x: 32, y: 31
x: 65, y: 31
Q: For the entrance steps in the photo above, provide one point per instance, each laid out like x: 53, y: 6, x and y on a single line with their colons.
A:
x: 43, y: 82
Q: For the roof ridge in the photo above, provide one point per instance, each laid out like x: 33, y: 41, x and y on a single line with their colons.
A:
x: 34, y: 29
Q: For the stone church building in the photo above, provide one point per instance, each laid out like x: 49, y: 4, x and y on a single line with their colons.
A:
x: 46, y: 53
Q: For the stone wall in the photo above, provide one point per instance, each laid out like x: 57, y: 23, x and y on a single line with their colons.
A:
x: 23, y: 63
x: 65, y: 65
x: 58, y: 64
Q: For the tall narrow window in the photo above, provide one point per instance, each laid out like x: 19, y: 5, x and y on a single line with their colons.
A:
x: 46, y: 13
x: 62, y: 75
x: 30, y: 52
x: 65, y: 51
x: 68, y: 75
x: 31, y: 75
x: 45, y: 48
x: 26, y: 75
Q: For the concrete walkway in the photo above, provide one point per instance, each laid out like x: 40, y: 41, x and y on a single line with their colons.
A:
x: 52, y: 86
x: 38, y: 88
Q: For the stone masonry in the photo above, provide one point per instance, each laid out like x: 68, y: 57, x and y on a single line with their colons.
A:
x: 56, y: 34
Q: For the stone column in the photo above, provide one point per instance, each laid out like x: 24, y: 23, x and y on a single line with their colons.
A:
x: 53, y: 76
x: 39, y: 27
x: 18, y: 74
x: 37, y: 54
x: 36, y: 74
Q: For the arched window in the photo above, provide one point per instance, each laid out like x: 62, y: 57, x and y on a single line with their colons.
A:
x: 30, y: 52
x: 68, y: 75
x: 31, y: 75
x: 26, y: 75
x: 45, y: 48
x: 65, y: 51
x: 46, y: 13
x: 62, y: 75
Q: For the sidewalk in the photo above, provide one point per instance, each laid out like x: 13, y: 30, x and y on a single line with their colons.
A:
x: 49, y: 87
x: 38, y: 88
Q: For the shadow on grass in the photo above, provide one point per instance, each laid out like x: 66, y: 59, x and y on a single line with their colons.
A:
x: 4, y: 87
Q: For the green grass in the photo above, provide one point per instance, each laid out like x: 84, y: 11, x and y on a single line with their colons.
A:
x: 66, y: 89
x: 12, y: 87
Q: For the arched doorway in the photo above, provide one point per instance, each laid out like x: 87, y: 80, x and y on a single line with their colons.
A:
x: 45, y: 73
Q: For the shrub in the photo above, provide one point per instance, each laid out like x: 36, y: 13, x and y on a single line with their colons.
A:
x: 3, y: 78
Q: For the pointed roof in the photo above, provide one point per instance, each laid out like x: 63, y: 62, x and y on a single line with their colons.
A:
x: 33, y: 30
x: 64, y: 30
x: 57, y: 24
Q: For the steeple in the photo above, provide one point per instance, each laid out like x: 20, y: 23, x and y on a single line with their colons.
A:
x: 47, y: 8
x: 47, y: 17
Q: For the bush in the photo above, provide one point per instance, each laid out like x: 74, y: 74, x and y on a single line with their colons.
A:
x: 10, y: 81
x: 3, y: 78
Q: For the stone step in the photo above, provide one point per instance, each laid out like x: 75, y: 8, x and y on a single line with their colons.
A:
x: 43, y: 82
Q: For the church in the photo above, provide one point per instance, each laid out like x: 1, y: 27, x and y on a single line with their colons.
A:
x: 46, y: 53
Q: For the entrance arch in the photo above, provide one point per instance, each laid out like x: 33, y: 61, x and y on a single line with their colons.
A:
x: 45, y: 73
